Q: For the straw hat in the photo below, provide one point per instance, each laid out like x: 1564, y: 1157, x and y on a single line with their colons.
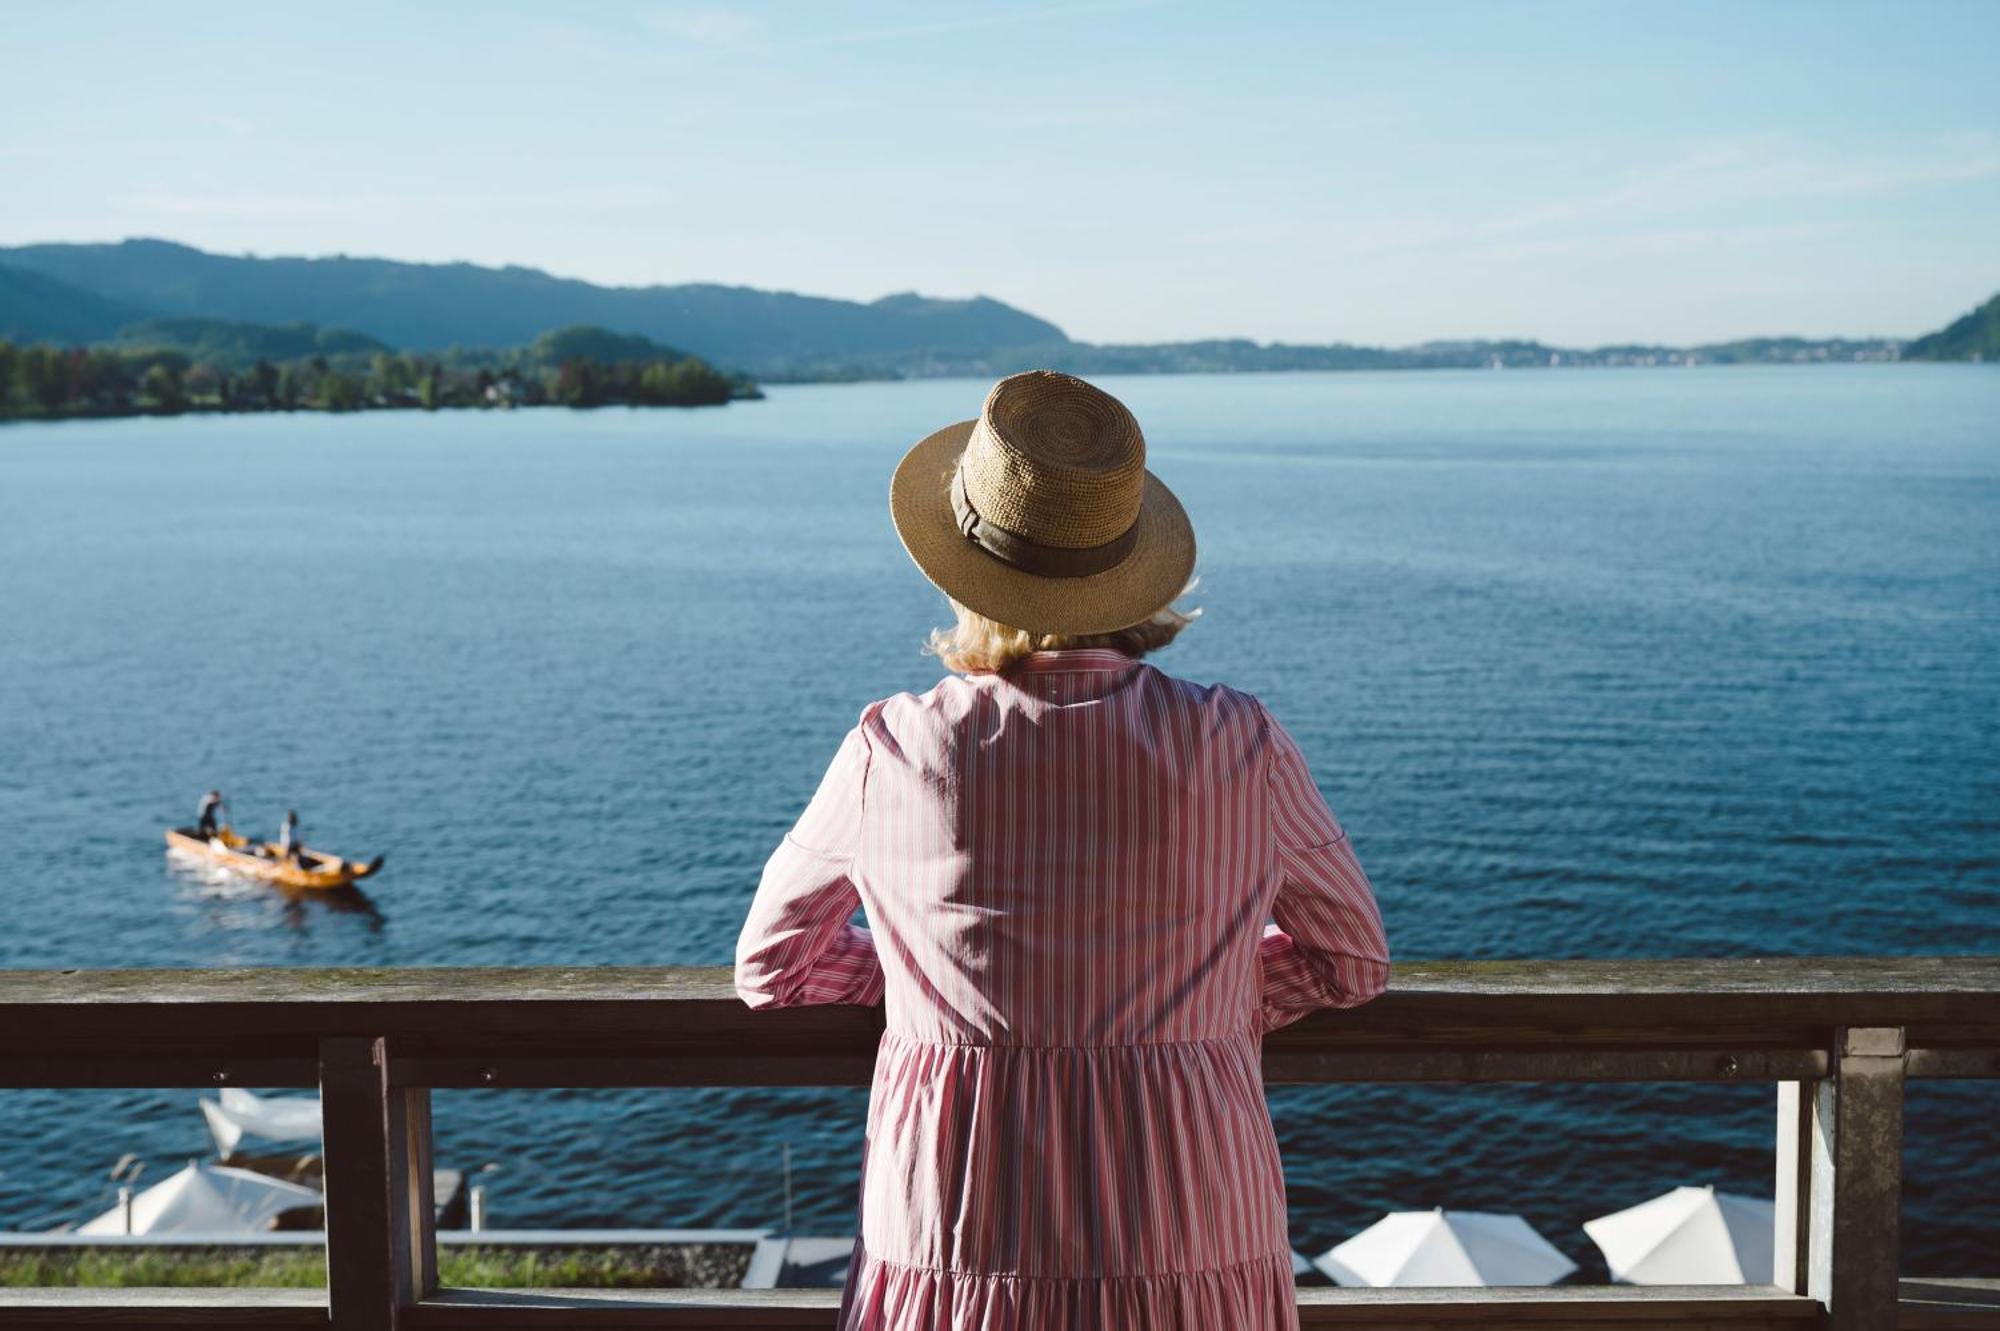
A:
x: 1041, y: 513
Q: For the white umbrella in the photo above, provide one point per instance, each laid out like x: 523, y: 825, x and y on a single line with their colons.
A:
x: 1690, y: 1236
x: 1440, y: 1247
x: 278, y: 1118
x: 211, y: 1199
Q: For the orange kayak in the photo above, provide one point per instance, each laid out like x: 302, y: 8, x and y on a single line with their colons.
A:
x: 315, y: 869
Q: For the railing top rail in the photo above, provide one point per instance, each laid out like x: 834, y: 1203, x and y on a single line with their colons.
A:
x: 1776, y: 1001
x: 1790, y: 979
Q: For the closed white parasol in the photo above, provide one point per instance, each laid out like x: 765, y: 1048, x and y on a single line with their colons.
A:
x: 1690, y: 1236
x: 1440, y: 1247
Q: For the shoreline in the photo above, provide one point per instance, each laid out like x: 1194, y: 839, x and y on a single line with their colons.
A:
x: 157, y: 413
x: 213, y: 409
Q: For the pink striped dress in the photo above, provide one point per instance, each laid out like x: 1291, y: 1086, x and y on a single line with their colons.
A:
x: 1091, y: 888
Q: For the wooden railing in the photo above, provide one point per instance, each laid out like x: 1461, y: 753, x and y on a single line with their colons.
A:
x: 1837, y: 1037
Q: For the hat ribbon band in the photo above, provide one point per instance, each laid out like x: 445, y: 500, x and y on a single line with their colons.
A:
x: 1030, y: 555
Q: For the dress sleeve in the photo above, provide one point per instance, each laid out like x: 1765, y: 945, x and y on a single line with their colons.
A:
x: 797, y: 945
x: 1327, y: 948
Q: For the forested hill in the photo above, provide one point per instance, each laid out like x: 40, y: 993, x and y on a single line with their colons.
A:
x: 1974, y: 337
x: 422, y: 307
x: 227, y: 342
x: 35, y: 307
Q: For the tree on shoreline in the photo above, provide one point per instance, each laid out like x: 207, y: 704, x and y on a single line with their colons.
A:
x: 562, y: 369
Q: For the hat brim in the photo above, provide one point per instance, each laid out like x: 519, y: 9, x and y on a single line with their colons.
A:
x: 1144, y: 582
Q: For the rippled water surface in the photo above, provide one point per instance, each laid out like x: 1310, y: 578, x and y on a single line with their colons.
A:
x: 1595, y: 663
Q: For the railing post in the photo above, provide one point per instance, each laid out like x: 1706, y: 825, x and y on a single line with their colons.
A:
x: 414, y: 1180
x: 1792, y: 1193
x: 1856, y: 1140
x: 380, y: 1220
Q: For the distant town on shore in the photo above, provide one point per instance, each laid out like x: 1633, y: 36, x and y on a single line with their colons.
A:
x: 151, y: 326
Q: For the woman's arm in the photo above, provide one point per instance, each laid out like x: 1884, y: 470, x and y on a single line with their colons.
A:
x: 797, y: 945
x: 1327, y: 948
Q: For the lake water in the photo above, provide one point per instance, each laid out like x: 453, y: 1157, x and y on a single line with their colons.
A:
x: 1598, y: 663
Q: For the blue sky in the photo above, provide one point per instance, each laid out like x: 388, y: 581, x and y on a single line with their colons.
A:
x: 1385, y: 173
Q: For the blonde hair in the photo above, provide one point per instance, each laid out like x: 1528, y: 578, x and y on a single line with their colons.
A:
x: 976, y: 643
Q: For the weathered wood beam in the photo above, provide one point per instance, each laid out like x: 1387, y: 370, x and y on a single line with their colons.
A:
x: 1566, y: 1062
x: 108, y: 1069
x: 1926, y: 1305
x: 1770, y: 990
x: 748, y: 1067
x: 1655, y: 1309
x: 1857, y: 1182
x: 274, y: 1018
x: 413, y: 1188
x: 751, y: 1066
x: 1792, y: 1187
x: 1949, y: 1305
x: 1961, y: 1063
x: 682, y: 1310
x: 1652, y: 1307
x: 234, y: 1309
x: 381, y: 1247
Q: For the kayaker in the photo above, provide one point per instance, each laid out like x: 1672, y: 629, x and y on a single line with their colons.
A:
x: 288, y: 836
x: 209, y: 820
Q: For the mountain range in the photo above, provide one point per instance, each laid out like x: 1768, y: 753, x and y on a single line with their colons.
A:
x: 168, y: 293
x: 428, y: 307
